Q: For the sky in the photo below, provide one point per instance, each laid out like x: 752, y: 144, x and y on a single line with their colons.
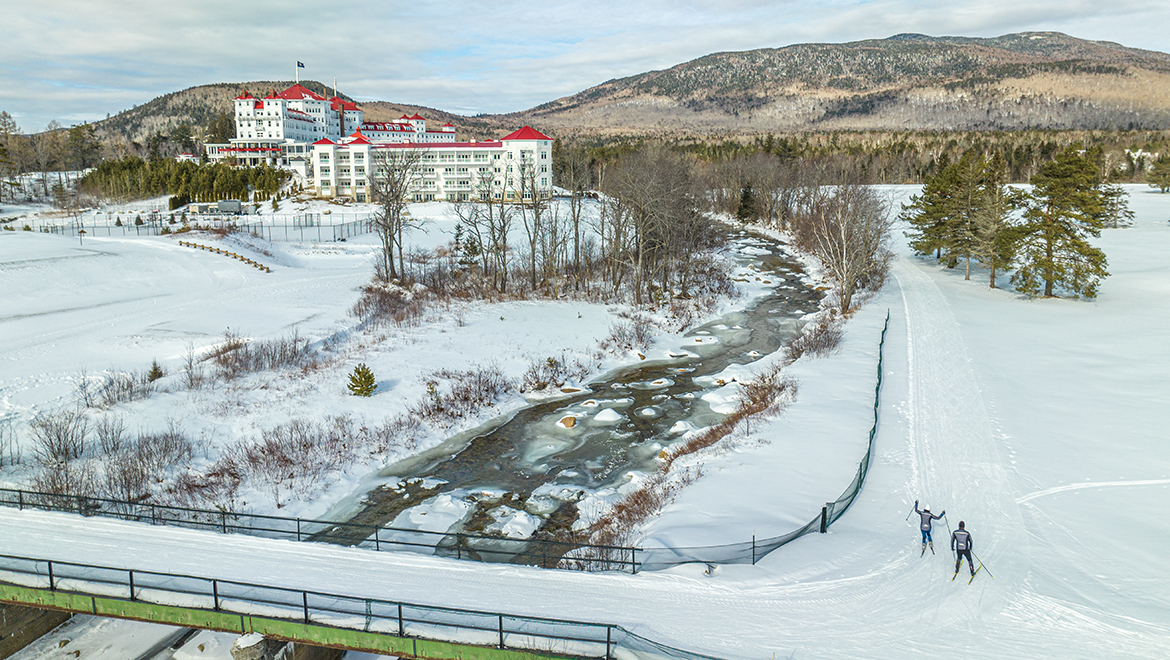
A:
x: 72, y: 61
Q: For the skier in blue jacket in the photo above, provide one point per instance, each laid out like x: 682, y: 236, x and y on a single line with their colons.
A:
x: 928, y: 519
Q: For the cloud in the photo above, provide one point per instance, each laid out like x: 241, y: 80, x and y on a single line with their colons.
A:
x: 70, y: 60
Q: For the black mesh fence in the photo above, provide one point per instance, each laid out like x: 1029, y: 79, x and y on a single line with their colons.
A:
x: 309, y: 228
x: 752, y: 551
x: 309, y: 233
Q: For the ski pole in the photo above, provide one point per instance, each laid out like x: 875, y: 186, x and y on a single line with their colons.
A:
x: 982, y: 564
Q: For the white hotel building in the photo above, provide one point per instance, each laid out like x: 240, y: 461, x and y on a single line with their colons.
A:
x: 328, y: 142
x: 511, y: 168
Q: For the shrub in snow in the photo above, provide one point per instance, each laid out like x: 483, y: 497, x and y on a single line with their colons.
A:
x: 551, y: 372
x: 111, y: 434
x: 236, y: 357
x: 362, y: 382
x: 818, y: 338
x: 123, y: 386
x: 9, y: 447
x: 470, y: 391
x: 66, y: 478
x: 59, y: 437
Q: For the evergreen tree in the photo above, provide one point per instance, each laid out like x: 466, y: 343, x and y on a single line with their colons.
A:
x: 994, y: 245
x: 362, y: 382
x: 1159, y: 175
x: 1116, y: 202
x: 748, y: 206
x: 1065, y: 207
x: 967, y: 199
x: 930, y: 213
x: 84, y: 146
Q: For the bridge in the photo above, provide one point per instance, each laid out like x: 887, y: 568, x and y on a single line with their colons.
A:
x: 196, y: 579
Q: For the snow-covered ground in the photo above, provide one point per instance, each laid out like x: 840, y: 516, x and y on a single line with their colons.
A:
x: 1038, y: 422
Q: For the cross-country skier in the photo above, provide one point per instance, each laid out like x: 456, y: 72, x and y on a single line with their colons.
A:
x: 927, y: 523
x: 961, y: 543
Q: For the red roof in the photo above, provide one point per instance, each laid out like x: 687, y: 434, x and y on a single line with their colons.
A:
x: 417, y: 117
x: 342, y: 104
x: 526, y: 133
x: 258, y: 105
x: 244, y: 96
x: 449, y: 124
x: 324, y: 141
x: 405, y: 117
x: 358, y: 138
x: 297, y: 92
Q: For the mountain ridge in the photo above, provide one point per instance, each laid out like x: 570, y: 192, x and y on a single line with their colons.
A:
x: 909, y: 81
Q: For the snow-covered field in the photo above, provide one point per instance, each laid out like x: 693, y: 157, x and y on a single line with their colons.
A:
x: 1041, y: 423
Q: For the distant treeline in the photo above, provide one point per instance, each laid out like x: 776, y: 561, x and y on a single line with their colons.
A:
x: 910, y: 156
x: 134, y: 178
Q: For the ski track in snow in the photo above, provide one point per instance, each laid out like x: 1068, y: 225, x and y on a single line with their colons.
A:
x: 1095, y: 484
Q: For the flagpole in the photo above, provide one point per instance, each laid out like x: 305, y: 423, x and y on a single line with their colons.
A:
x: 298, y: 68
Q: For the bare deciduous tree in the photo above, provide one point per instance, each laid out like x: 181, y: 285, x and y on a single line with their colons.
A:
x: 393, y: 174
x: 847, y: 227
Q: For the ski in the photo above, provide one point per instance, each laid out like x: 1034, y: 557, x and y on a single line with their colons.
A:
x: 974, y: 574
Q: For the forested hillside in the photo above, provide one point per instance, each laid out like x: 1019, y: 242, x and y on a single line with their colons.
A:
x: 1044, y: 80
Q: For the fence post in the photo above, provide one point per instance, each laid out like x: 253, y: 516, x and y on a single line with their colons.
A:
x: 21, y: 496
x: 305, y: 601
x: 502, y: 631
x: 824, y: 518
x: 223, y: 521
x: 52, y: 587
x: 633, y: 561
x: 131, y: 585
x: 377, y: 542
x: 608, y: 641
x: 215, y: 594
x: 298, y: 529
x: 401, y: 627
x: 753, y: 548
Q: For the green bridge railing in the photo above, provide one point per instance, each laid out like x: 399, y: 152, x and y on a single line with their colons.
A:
x: 317, y: 618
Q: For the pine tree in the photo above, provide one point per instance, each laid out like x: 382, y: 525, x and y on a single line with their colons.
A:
x: 967, y: 198
x: 1065, y: 207
x: 1159, y: 175
x: 362, y: 382
x: 994, y: 244
x: 156, y: 372
x: 748, y: 207
x: 930, y: 213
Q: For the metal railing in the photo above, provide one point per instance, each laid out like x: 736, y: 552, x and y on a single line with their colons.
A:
x: 372, y: 615
x: 546, y: 553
